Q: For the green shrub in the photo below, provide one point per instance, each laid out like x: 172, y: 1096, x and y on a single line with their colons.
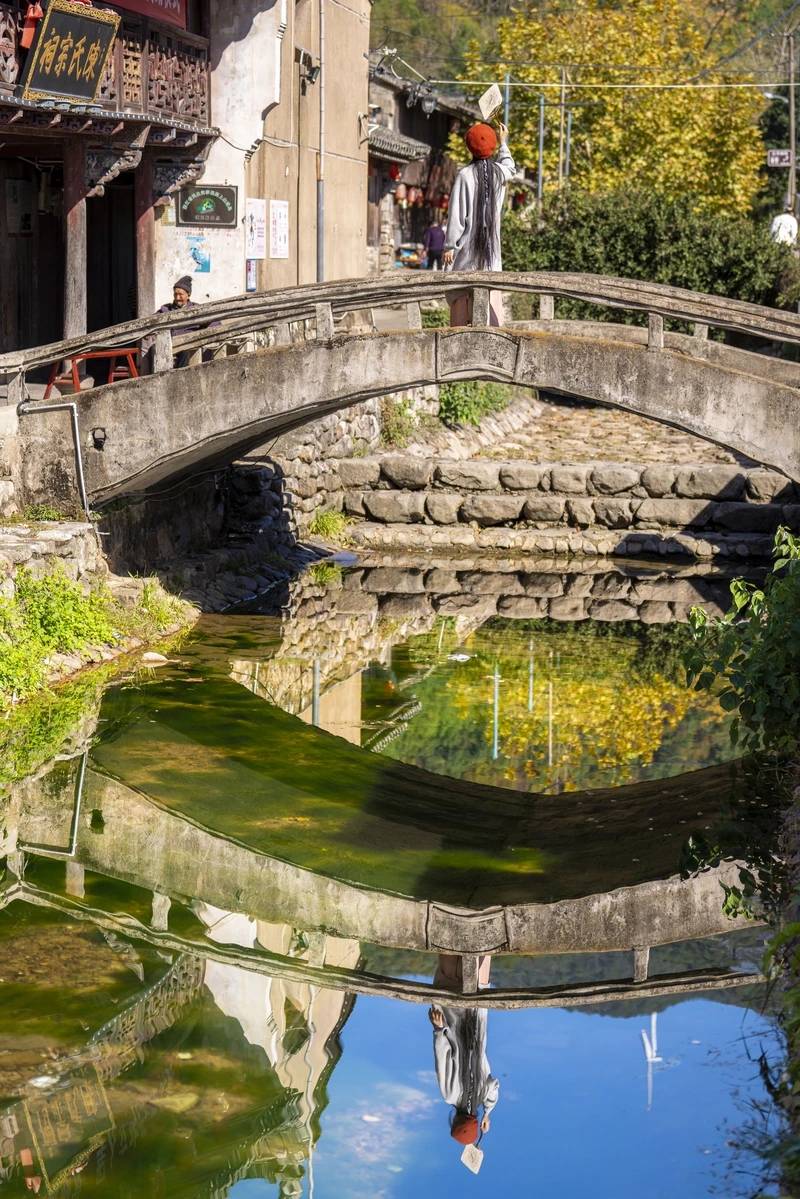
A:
x: 398, y: 422
x: 53, y: 614
x: 326, y: 574
x: 330, y: 525
x: 435, y: 318
x: 639, y: 235
x: 754, y: 652
x: 466, y: 403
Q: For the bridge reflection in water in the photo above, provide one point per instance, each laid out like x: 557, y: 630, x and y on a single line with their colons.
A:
x: 235, y: 907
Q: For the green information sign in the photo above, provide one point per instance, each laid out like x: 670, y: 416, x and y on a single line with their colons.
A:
x: 70, y: 54
x: 208, y: 204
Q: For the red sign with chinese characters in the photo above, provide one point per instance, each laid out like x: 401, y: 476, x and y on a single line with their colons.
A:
x: 172, y: 12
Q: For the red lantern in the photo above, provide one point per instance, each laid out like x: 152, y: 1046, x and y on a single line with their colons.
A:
x: 394, y: 172
x: 32, y: 18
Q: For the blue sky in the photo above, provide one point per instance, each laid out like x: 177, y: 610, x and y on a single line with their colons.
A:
x: 572, y: 1120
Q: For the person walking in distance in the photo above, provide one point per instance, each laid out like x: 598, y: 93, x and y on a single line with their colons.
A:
x: 434, y: 245
x: 472, y: 242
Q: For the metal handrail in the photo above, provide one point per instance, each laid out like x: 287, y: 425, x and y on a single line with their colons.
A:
x: 253, y: 312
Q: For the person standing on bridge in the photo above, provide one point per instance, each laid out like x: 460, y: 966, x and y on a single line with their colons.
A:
x: 476, y: 209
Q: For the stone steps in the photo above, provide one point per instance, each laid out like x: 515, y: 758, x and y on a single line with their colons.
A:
x: 532, y: 590
x: 588, y: 507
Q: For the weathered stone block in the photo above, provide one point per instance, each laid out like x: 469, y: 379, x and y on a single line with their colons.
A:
x: 395, y: 507
x: 611, y: 478
x: 353, y: 503
x: 613, y: 513
x: 658, y: 480
x: 471, y: 476
x: 569, y: 480
x: 522, y: 607
x: 581, y: 512
x: 611, y: 586
x: 476, y: 582
x: 748, y: 518
x: 467, y: 605
x: 675, y: 513
x: 359, y: 472
x: 567, y: 608
x: 542, y: 584
x: 385, y: 580
x: 712, y: 482
x: 610, y: 609
x: 401, y: 606
x: 654, y: 612
x: 579, y: 585
x: 544, y: 509
x: 407, y: 470
x: 520, y: 476
x: 491, y: 509
x: 766, y: 486
x: 443, y: 506
x: 442, y: 582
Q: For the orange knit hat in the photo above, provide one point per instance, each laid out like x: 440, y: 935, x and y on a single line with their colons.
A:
x: 464, y: 1128
x: 481, y: 140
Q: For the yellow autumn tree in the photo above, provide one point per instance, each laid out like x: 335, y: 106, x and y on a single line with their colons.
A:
x: 672, y: 140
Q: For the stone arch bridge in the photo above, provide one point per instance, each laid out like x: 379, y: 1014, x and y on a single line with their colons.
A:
x: 262, y: 365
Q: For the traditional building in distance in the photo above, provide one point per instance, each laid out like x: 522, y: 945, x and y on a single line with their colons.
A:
x: 147, y: 140
x: 410, y: 171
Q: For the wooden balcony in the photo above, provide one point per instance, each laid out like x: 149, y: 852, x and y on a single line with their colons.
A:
x: 154, y: 69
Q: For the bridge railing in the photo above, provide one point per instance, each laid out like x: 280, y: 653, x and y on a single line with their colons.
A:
x: 235, y: 322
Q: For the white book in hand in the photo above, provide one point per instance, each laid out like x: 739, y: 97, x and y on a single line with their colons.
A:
x: 490, y: 102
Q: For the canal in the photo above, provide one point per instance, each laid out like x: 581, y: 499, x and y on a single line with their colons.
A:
x: 377, y: 890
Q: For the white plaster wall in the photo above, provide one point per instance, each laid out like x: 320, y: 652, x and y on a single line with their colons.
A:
x: 246, y: 38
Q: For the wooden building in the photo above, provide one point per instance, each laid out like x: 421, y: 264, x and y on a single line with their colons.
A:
x: 83, y: 178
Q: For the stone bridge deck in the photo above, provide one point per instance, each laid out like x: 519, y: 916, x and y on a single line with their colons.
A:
x: 136, y: 435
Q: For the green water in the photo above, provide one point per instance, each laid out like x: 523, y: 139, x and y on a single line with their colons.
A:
x: 198, y: 937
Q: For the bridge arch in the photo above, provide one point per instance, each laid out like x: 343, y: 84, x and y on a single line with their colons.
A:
x: 138, y: 434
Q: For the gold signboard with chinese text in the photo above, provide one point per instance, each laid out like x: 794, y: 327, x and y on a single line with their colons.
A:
x: 69, y: 57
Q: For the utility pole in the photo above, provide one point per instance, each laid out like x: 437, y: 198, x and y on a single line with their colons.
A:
x: 540, y: 165
x: 563, y: 104
x: 792, y: 124
x: 507, y: 99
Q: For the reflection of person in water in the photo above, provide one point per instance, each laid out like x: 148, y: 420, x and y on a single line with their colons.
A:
x: 462, y: 1067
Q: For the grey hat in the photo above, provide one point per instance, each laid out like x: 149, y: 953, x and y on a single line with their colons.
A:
x: 185, y: 282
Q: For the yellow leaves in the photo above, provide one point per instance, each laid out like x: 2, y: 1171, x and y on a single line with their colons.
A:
x: 669, y: 140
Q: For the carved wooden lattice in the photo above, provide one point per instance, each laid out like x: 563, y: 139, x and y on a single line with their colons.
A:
x: 132, y: 74
x: 177, y: 78
x: 9, y: 32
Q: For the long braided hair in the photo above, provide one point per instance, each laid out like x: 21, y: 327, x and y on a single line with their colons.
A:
x: 485, y: 232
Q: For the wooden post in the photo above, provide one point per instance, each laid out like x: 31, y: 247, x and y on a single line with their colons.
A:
x: 655, y: 331
x: 700, y: 331
x: 547, y: 308
x: 75, y: 883
x: 75, y: 308
x: 145, y: 236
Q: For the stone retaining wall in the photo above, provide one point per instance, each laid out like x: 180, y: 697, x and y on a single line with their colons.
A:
x: 532, y: 591
x: 40, y: 546
x: 588, y: 503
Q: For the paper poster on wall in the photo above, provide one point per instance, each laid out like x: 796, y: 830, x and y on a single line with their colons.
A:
x: 251, y: 278
x: 279, y: 228
x: 201, y: 255
x: 255, y: 229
